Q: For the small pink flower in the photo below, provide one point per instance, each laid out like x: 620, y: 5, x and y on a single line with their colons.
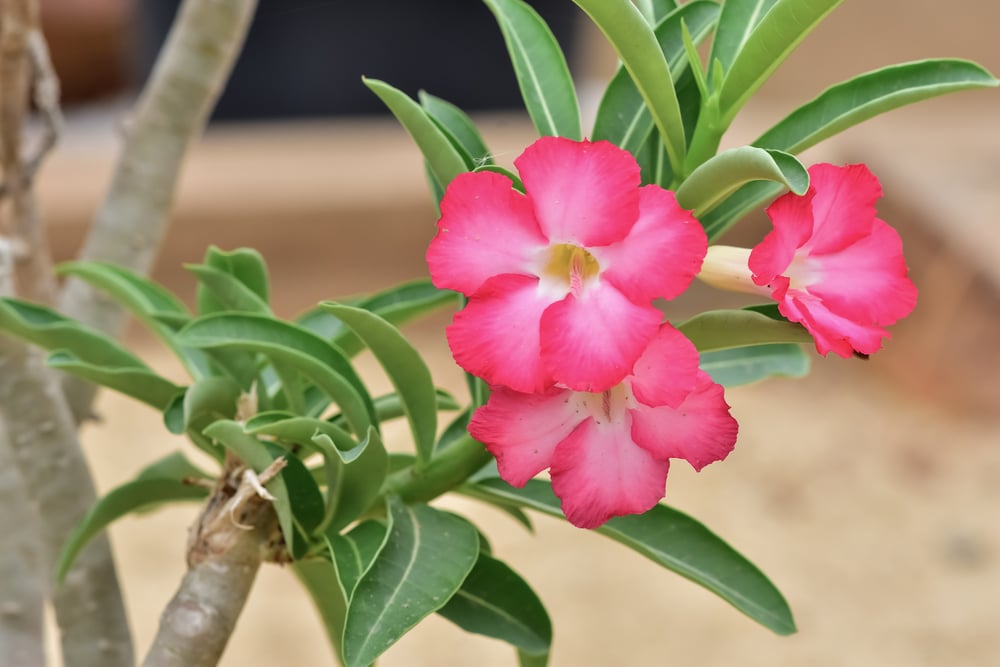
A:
x: 608, y: 452
x: 829, y: 262
x: 561, y: 279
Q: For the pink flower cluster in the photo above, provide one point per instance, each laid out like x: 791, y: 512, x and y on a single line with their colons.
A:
x: 587, y: 381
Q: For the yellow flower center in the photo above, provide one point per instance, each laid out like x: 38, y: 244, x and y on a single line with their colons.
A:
x: 571, y: 266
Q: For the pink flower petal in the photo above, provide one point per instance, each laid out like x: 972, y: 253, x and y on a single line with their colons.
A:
x: 661, y: 255
x: 522, y: 430
x: 867, y: 281
x: 590, y: 343
x: 496, y: 336
x: 486, y: 229
x: 667, y: 370
x: 793, y: 223
x: 699, y: 430
x: 831, y: 331
x: 843, y: 207
x: 583, y: 193
x: 599, y: 473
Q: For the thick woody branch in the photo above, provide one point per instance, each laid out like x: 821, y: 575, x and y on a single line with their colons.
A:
x: 172, y: 111
x: 236, y: 532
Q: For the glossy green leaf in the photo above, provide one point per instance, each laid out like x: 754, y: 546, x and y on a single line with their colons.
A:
x: 444, y: 161
x: 355, y: 551
x: 397, y: 305
x: 319, y: 577
x: 654, y: 10
x: 294, y: 346
x: 737, y: 21
x: 139, y: 383
x: 772, y: 39
x: 427, y: 556
x: 720, y: 176
x: 459, y: 128
x: 542, y: 73
x: 743, y: 365
x: 298, y: 501
x: 622, y: 117
x: 133, y: 496
x: 496, y: 602
x: 532, y: 660
x: 49, y: 330
x: 636, y: 45
x: 675, y: 541
x: 851, y: 102
x: 205, y: 401
x: 405, y: 368
x: 146, y: 300
x: 725, y: 329
x: 245, y: 265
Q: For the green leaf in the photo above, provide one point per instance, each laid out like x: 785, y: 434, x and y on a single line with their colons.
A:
x: 515, y: 180
x: 654, y: 10
x: 141, y: 494
x: 298, y: 501
x: 354, y: 471
x: 246, y: 265
x: 724, y: 329
x: 851, y: 102
x: 723, y: 174
x: 459, y: 128
x: 444, y: 161
x: 139, y: 383
x: 743, y: 365
x: 355, y: 551
x: 294, y: 346
x: 396, y: 305
x: 496, y: 602
x: 622, y: 117
x: 636, y: 45
x: 405, y: 368
x: 748, y: 198
x: 49, y: 330
x: 225, y: 292
x: 427, y: 556
x: 776, y: 35
x: 319, y: 577
x: 736, y: 22
x: 675, y: 541
x: 205, y: 401
x: 542, y: 73
x: 144, y: 299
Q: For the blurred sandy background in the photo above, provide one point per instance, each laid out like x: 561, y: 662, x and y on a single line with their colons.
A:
x: 869, y: 491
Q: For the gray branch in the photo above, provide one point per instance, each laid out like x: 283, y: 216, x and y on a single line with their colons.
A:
x: 171, y: 113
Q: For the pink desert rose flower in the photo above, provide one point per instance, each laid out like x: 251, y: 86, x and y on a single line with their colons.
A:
x: 608, y: 452
x: 561, y: 279
x: 830, y: 262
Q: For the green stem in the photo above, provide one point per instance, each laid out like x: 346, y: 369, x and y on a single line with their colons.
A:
x: 444, y: 472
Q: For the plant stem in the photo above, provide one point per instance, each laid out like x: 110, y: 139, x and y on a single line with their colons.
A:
x: 189, y: 75
x: 445, y: 472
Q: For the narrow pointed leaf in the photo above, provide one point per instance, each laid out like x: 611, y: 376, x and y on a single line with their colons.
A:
x: 141, y: 494
x: 355, y: 551
x: 720, y: 176
x: 636, y: 45
x: 245, y: 265
x: 743, y: 365
x: 444, y: 161
x: 139, y: 383
x: 774, y: 37
x: 427, y: 556
x: 294, y: 346
x: 542, y: 73
x: 675, y: 541
x: 405, y: 368
x: 868, y: 95
x: 319, y: 577
x: 736, y: 22
x: 725, y: 329
x: 654, y: 10
x: 496, y: 602
x: 226, y: 292
x: 459, y: 128
x: 622, y: 117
